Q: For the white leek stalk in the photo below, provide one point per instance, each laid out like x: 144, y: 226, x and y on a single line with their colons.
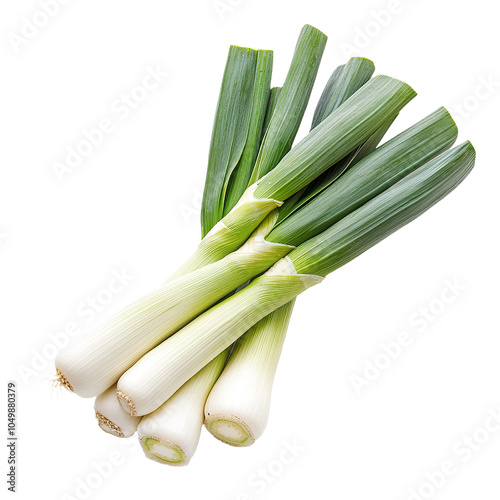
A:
x: 94, y: 362
x: 111, y: 417
x: 170, y: 434
x: 237, y: 409
x: 160, y: 373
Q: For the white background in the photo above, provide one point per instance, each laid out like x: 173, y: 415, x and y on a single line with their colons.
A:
x: 132, y: 204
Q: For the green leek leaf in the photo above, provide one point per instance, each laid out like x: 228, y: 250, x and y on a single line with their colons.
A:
x: 384, y: 214
x: 385, y: 166
x: 292, y: 101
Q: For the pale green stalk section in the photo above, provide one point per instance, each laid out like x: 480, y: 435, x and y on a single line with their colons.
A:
x: 111, y: 417
x: 170, y: 434
x: 230, y: 233
x: 159, y: 374
x: 95, y: 361
x: 237, y: 408
x: 152, y: 380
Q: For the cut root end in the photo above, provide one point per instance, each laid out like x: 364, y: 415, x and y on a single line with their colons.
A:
x: 62, y: 381
x: 163, y: 452
x: 126, y: 403
x: 230, y: 430
x: 108, y: 426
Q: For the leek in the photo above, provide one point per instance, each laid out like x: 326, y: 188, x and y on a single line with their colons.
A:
x: 111, y: 417
x: 160, y: 373
x: 288, y: 216
x: 170, y: 434
x: 237, y: 408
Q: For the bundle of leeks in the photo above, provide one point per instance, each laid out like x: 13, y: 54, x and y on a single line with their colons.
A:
x: 276, y: 220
